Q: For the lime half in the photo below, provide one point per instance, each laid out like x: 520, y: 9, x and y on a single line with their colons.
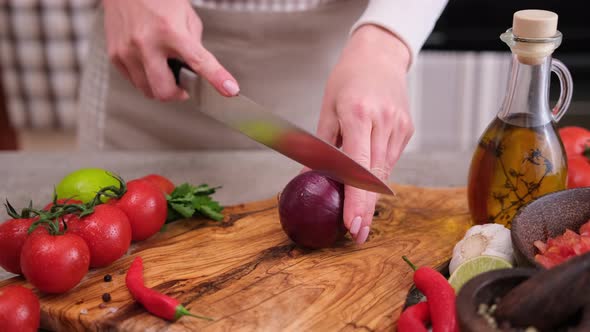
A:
x: 474, y: 266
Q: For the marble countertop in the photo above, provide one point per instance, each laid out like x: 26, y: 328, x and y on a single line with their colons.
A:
x: 245, y: 176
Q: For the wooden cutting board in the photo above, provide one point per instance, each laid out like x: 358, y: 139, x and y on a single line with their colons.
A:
x: 246, y: 274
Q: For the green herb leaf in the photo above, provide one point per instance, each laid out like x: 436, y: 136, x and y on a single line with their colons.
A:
x: 172, y: 215
x: 184, y: 210
x: 182, y: 190
x: 188, y: 201
x: 211, y: 213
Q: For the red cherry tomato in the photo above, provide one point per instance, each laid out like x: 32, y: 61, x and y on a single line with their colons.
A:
x: 145, y: 206
x: 107, y: 233
x: 54, y: 263
x: 161, y: 182
x: 13, y: 234
x: 19, y: 309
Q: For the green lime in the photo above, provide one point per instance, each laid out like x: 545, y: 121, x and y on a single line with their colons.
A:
x: 474, y: 266
x: 83, y: 184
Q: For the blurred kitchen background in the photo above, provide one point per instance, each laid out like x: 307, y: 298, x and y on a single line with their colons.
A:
x: 456, y: 86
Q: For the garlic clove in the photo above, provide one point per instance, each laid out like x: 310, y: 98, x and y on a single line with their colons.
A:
x: 488, y: 239
x: 474, y: 245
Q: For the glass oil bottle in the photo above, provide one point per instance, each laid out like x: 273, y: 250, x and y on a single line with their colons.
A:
x: 520, y: 156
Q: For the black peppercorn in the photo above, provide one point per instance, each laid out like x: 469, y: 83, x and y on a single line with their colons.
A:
x: 107, y: 278
x: 106, y: 297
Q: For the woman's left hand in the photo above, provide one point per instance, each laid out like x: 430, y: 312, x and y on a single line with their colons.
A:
x: 365, y: 111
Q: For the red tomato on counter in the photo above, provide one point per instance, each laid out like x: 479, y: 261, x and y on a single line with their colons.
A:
x: 13, y: 234
x: 575, y: 139
x: 19, y: 309
x: 146, y: 207
x: 161, y: 182
x: 107, y: 233
x: 54, y: 263
x: 578, y: 172
x: 576, y: 142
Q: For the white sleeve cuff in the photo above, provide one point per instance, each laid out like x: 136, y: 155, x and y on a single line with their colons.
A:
x: 411, y: 21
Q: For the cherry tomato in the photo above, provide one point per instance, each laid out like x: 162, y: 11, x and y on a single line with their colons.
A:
x: 13, y: 234
x: 19, y: 309
x: 161, y: 182
x: 54, y: 263
x: 107, y: 233
x: 145, y: 206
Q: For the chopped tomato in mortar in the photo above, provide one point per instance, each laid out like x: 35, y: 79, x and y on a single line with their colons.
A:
x: 583, y: 246
x: 560, y: 248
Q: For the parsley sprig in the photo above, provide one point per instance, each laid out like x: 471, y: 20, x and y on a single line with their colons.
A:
x: 188, y: 201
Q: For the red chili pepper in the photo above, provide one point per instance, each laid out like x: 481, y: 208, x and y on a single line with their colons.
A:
x: 414, y: 318
x: 156, y: 303
x: 440, y: 296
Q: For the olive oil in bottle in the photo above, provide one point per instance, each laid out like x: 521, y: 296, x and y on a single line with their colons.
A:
x: 520, y: 156
x: 515, y: 162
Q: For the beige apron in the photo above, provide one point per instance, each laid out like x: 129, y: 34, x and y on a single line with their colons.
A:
x: 281, y: 60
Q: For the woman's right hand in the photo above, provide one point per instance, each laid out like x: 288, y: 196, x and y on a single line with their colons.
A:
x: 142, y: 34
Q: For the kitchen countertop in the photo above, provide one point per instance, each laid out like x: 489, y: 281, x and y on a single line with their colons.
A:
x: 244, y: 175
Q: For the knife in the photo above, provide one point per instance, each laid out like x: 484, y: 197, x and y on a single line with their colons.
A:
x: 251, y: 119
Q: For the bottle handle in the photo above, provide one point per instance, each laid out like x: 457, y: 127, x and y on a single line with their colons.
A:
x: 566, y: 85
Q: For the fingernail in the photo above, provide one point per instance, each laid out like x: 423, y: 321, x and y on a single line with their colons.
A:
x: 363, y: 234
x: 231, y: 87
x: 355, y: 226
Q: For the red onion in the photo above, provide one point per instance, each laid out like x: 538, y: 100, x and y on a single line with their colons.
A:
x: 311, y: 210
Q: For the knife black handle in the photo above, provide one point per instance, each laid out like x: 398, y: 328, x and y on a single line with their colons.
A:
x: 176, y: 65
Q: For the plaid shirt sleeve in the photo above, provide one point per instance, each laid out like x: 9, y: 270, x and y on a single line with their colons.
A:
x: 42, y: 44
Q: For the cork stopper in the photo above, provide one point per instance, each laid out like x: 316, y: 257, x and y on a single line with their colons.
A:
x: 534, y: 24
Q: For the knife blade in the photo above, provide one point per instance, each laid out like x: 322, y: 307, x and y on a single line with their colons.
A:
x: 265, y: 127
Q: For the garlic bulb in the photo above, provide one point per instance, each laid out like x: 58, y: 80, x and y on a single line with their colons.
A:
x: 487, y: 239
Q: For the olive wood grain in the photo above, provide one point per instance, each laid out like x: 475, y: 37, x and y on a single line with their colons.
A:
x: 246, y: 274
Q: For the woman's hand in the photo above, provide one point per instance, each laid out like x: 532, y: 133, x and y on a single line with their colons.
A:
x: 142, y: 34
x: 365, y: 111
